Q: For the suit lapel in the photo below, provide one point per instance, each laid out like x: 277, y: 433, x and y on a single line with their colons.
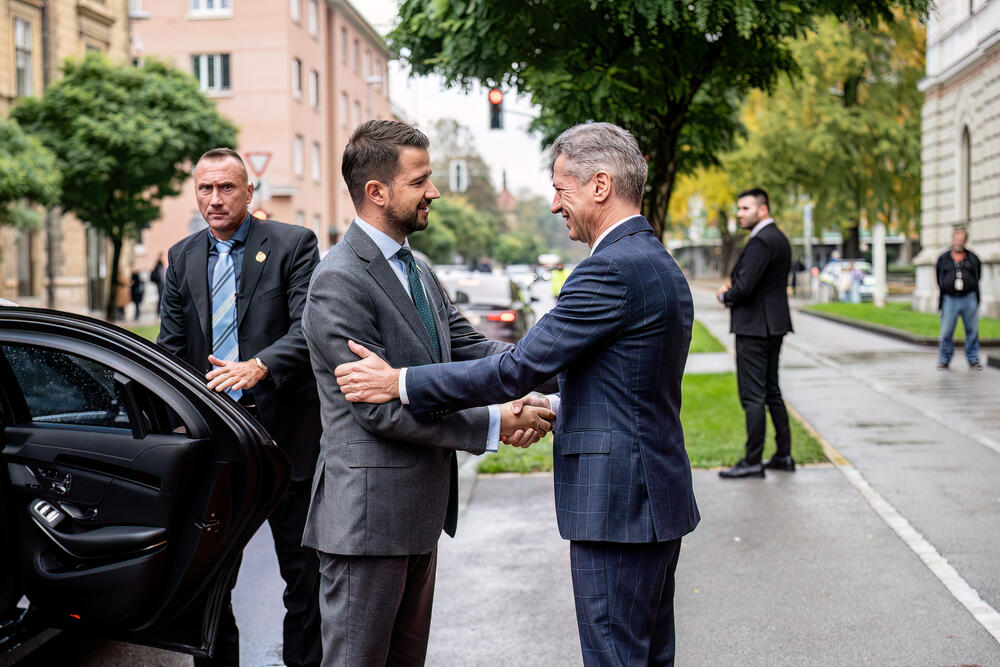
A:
x: 386, y: 279
x: 197, y: 280
x: 255, y: 256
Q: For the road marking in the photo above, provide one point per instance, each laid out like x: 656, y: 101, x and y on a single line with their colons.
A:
x: 966, y: 595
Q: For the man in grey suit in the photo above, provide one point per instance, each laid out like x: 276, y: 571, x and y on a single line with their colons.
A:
x: 386, y: 484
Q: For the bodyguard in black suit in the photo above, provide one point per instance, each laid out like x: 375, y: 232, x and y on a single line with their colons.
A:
x: 758, y: 303
x: 232, y: 306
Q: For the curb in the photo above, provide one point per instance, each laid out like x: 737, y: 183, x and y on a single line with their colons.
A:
x: 891, y: 332
x: 468, y: 473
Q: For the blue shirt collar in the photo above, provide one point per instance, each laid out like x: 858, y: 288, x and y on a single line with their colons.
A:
x: 240, y: 236
x: 386, y: 244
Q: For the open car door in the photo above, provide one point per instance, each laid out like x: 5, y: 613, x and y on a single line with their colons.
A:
x: 128, y: 490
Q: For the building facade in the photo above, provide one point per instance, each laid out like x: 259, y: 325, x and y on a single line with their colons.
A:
x: 961, y: 144
x: 296, y: 77
x: 61, y: 258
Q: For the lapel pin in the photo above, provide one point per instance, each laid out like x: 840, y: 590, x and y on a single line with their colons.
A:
x: 260, y: 257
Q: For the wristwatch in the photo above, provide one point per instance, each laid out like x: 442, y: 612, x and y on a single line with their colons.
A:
x: 261, y: 365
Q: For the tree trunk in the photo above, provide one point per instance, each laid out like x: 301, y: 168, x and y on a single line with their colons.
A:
x: 664, y: 172
x: 116, y: 244
x: 852, y: 242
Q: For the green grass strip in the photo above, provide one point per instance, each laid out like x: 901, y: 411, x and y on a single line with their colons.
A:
x: 901, y: 316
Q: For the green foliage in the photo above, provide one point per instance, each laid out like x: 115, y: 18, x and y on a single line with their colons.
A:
x: 703, y: 341
x: 27, y: 173
x: 472, y: 233
x: 451, y: 140
x: 437, y: 241
x: 846, y: 132
x: 537, y: 458
x: 124, y: 138
x: 674, y: 73
x: 517, y: 249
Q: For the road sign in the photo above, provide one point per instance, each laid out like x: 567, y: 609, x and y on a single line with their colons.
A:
x: 258, y: 161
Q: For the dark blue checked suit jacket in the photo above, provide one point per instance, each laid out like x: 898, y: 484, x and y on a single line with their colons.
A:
x: 618, y: 339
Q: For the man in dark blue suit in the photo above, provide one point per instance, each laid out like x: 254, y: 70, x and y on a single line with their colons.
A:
x: 618, y: 340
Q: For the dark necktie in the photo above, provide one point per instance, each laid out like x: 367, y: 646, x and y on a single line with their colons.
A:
x: 419, y: 298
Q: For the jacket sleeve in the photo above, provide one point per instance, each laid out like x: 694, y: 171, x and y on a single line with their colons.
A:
x: 173, y: 336
x: 748, y: 272
x: 340, y: 309
x: 590, y: 313
x: 289, y: 354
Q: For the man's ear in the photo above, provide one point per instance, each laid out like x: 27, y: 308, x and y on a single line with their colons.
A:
x: 377, y: 193
x: 601, y: 186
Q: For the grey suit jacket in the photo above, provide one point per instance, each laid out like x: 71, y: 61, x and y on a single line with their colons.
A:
x: 385, y: 483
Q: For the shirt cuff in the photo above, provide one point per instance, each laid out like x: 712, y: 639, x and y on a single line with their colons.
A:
x: 403, y: 398
x: 554, y: 402
x: 493, y: 436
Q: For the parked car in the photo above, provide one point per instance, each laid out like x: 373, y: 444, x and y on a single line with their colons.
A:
x: 129, y: 489
x: 833, y: 274
x: 492, y: 303
x: 522, y: 275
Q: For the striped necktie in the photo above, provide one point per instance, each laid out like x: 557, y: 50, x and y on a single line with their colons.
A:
x: 224, y: 343
x: 419, y: 298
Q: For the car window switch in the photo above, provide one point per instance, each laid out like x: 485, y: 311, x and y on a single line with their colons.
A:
x: 43, y: 510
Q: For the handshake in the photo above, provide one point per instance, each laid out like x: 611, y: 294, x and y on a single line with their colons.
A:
x: 523, y: 422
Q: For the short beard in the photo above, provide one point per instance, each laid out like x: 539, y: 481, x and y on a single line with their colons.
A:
x: 405, y: 224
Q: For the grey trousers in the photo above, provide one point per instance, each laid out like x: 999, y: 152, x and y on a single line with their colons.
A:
x: 376, y: 610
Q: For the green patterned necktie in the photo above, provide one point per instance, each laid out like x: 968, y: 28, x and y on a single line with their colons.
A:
x: 419, y: 298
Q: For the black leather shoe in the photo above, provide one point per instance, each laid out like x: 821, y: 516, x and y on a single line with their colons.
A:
x: 742, y: 469
x: 786, y: 463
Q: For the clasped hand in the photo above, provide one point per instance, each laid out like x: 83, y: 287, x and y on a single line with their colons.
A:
x: 371, y: 380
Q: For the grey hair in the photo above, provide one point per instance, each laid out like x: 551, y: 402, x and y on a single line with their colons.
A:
x: 592, y: 147
x: 222, y: 153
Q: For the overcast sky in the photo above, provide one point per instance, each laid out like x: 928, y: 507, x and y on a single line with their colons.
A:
x: 425, y: 99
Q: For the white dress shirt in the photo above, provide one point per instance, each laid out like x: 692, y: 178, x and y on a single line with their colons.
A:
x: 389, y: 247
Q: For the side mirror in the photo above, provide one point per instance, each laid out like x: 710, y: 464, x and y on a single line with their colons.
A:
x: 461, y: 297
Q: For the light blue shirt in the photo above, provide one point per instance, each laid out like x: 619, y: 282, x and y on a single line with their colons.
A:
x: 389, y: 247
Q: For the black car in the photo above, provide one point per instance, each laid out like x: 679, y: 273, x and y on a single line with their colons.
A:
x: 128, y: 491
x: 492, y: 303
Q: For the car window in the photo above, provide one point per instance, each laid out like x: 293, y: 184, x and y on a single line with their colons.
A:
x: 65, y: 389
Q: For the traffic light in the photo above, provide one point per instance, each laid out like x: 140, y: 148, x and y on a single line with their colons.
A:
x: 496, y: 117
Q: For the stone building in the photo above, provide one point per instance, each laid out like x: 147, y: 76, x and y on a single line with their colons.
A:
x: 36, y: 37
x: 961, y: 143
x: 296, y: 77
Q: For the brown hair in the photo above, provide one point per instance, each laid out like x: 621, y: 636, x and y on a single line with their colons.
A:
x: 372, y: 154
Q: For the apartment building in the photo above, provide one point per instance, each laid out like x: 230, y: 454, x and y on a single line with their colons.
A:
x: 296, y: 76
x: 961, y: 144
x: 62, y: 258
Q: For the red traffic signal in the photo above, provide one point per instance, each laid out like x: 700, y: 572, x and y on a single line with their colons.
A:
x: 496, y: 119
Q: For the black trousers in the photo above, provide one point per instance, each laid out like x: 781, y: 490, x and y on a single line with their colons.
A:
x: 625, y: 601
x: 299, y: 567
x: 757, y: 379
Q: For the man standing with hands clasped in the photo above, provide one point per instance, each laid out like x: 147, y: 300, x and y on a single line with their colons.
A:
x: 232, y: 307
x: 958, y: 274
x: 387, y: 485
x: 757, y: 299
x: 618, y: 339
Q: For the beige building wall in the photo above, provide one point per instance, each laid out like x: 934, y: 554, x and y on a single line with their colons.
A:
x: 959, y: 182
x: 300, y: 126
x: 69, y: 28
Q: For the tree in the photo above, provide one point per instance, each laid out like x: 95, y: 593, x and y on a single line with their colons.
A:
x: 673, y: 73
x: 124, y: 138
x: 450, y: 140
x: 846, y: 132
x: 27, y: 174
x: 474, y: 233
x: 517, y: 249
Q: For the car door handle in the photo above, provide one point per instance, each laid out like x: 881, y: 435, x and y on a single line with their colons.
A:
x: 103, y: 542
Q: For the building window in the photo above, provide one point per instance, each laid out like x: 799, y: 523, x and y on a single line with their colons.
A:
x: 343, y: 45
x: 316, y: 224
x: 357, y: 57
x: 295, y: 9
x: 22, y: 57
x: 379, y: 74
x: 357, y: 113
x: 296, y: 77
x: 135, y: 10
x: 313, y: 18
x: 315, y: 162
x: 210, y: 8
x: 965, y: 178
x: 345, y: 119
x: 212, y: 71
x: 314, y: 89
x: 300, y: 218
x: 297, y: 149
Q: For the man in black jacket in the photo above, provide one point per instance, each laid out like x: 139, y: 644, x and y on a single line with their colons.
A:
x: 958, y: 274
x: 758, y: 303
x: 232, y: 307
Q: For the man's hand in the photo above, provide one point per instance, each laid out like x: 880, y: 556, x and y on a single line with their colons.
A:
x: 526, y: 427
x: 370, y: 380
x: 233, y: 374
x: 721, y: 293
x: 528, y: 437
